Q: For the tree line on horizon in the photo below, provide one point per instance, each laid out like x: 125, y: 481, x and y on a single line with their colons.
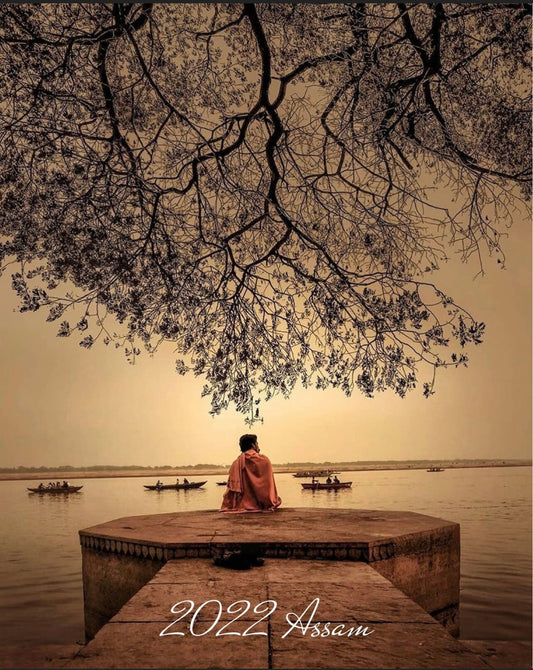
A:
x: 205, y: 466
x: 95, y: 468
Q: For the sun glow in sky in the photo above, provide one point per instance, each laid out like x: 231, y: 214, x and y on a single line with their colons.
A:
x: 64, y: 405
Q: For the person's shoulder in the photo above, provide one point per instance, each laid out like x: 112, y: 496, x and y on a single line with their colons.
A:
x: 252, y: 453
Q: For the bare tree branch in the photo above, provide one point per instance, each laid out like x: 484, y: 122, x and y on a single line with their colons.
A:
x: 261, y: 184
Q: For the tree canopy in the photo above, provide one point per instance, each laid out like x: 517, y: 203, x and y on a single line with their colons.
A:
x: 267, y: 186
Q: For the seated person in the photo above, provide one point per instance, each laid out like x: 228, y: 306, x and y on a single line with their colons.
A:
x: 251, y: 485
x: 336, y: 480
x: 185, y: 480
x: 328, y: 480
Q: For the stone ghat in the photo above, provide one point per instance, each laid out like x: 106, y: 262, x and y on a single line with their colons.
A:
x: 285, y: 614
x: 418, y: 554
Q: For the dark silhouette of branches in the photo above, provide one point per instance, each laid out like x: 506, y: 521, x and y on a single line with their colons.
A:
x: 261, y: 185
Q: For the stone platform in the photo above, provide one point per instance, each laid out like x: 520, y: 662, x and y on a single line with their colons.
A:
x: 418, y: 554
x: 375, y: 625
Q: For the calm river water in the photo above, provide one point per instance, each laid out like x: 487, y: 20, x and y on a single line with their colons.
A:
x: 40, y: 571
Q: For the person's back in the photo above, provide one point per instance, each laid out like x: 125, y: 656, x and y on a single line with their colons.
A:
x: 251, y: 485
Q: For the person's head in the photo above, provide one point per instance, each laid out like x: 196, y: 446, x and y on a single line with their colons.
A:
x: 247, y: 442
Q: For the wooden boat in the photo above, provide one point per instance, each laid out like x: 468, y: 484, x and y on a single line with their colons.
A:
x: 322, y: 486
x: 55, y: 489
x: 315, y: 473
x: 175, y: 487
x: 435, y: 470
x: 222, y: 483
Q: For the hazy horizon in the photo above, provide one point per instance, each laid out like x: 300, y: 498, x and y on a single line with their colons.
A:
x: 49, y: 468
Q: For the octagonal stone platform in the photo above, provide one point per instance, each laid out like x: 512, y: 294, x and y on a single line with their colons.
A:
x: 418, y: 554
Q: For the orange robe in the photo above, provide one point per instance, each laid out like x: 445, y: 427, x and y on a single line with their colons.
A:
x: 251, y: 485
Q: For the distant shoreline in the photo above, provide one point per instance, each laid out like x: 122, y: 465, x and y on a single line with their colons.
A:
x: 278, y: 469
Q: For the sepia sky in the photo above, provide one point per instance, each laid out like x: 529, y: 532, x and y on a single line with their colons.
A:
x: 64, y: 405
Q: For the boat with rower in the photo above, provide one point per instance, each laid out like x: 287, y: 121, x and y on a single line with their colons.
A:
x: 323, y: 486
x: 54, y: 490
x: 435, y: 469
x: 315, y: 473
x: 174, y: 487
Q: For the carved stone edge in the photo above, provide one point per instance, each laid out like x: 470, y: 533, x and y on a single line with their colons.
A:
x: 366, y: 552
x: 149, y: 551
